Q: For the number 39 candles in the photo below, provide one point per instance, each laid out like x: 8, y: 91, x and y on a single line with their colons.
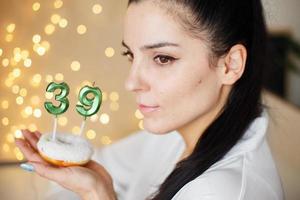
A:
x: 87, y: 108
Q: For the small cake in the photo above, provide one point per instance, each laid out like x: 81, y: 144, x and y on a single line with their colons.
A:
x: 65, y: 150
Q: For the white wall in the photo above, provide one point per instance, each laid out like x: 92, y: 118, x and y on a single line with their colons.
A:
x: 284, y: 15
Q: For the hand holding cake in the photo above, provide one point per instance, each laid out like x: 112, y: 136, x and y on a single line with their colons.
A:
x: 66, y: 158
x: 90, y: 181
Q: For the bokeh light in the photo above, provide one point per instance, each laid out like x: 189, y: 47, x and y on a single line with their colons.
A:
x: 109, y: 52
x: 91, y: 134
x: 104, y: 118
x: 81, y: 29
x: 36, y: 6
x: 97, y: 9
x: 58, y: 4
x: 75, y: 65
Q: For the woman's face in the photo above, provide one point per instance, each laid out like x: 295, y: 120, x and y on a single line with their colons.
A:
x: 176, y: 78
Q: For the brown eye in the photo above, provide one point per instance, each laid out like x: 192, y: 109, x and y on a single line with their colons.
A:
x: 164, y: 60
x: 128, y: 54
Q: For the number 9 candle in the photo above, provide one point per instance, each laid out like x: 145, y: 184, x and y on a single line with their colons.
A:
x: 89, y: 106
x: 62, y: 98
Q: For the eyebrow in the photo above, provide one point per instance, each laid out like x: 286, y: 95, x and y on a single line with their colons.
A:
x: 153, y: 46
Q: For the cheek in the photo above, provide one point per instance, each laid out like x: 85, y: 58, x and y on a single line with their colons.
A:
x: 184, y: 100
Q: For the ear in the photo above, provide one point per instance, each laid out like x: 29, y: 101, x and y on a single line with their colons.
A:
x: 232, y: 66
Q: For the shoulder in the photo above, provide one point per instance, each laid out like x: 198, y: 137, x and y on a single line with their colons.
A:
x: 221, y: 183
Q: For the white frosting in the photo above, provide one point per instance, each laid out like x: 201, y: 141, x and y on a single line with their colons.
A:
x: 66, y: 147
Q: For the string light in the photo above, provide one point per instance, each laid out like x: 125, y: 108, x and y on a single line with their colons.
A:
x: 10, y: 28
x: 75, y: 65
x: 32, y: 127
x: 36, y: 38
x: 19, y: 156
x: 141, y: 124
x: 16, y: 72
x: 27, y: 62
x: 19, y: 100
x: 9, y: 37
x: 138, y: 114
x: 5, y: 104
x: 94, y: 118
x: 18, y: 134
x: 37, y: 113
x: 49, y: 95
x: 28, y: 110
x: 76, y: 130
x: 114, y: 96
x: 104, y: 118
x: 97, y: 9
x: 105, y: 140
x: 59, y: 77
x: 109, y: 52
x: 58, y: 4
x: 24, y: 54
x: 5, y: 62
x: 114, y: 106
x: 10, y: 138
x: 46, y: 45
x: 36, y: 80
x: 49, y: 78
x: 55, y: 18
x: 91, y: 134
x: 41, y: 50
x: 9, y: 82
x: 63, y: 23
x: 62, y: 121
x: 104, y: 96
x: 49, y: 29
x: 23, y: 92
x: 81, y: 29
x: 5, y: 148
x: 35, y: 100
x: 36, y: 6
x: 5, y: 121
x: 15, y: 89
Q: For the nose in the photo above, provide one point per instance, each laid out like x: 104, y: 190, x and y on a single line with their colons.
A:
x: 135, y: 81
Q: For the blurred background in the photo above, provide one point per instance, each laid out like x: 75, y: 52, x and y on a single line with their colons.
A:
x: 79, y: 42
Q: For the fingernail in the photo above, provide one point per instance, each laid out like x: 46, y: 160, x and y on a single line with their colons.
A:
x: 27, y: 167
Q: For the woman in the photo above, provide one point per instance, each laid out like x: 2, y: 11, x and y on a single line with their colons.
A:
x: 195, y: 68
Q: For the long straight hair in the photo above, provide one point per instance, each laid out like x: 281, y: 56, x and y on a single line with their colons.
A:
x: 226, y: 22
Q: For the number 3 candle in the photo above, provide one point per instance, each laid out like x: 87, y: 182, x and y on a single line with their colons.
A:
x: 89, y: 106
x: 62, y: 98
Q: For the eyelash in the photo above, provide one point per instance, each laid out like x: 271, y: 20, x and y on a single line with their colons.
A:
x: 171, y: 59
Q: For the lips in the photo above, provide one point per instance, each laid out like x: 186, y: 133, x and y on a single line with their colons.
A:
x: 147, y: 109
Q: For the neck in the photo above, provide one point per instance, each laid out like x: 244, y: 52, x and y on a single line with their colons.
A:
x: 192, y: 131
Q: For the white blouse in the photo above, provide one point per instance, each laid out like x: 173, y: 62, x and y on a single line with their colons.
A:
x: 140, y: 162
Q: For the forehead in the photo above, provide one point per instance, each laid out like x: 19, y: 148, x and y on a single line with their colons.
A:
x: 146, y: 23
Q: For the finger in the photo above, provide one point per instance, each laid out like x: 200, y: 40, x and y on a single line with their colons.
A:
x: 93, y: 165
x: 31, y: 138
x: 37, y: 134
x: 28, y: 151
x: 57, y: 174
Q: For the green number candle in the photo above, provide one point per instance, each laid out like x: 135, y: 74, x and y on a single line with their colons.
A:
x: 62, y: 98
x: 90, y: 106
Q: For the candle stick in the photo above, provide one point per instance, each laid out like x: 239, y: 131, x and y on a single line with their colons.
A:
x: 62, y: 98
x: 92, y: 104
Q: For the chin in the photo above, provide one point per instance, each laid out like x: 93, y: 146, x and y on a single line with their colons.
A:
x: 157, y: 129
